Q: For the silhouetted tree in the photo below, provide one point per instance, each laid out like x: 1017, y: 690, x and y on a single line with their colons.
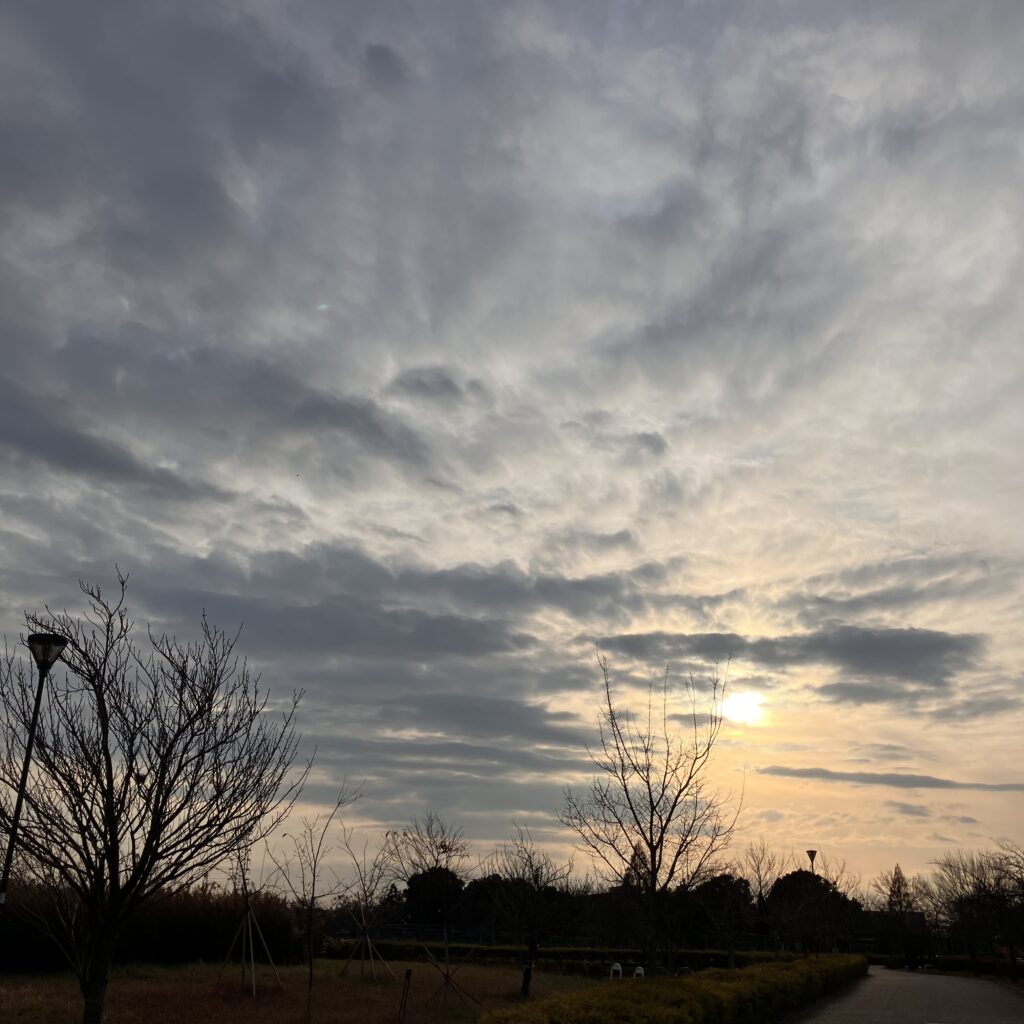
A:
x: 902, y: 900
x: 432, y: 852
x: 762, y: 868
x: 424, y: 844
x: 369, y: 894
x: 431, y: 898
x: 810, y: 912
x: 651, y: 816
x: 150, y: 767
x: 479, y: 904
x: 979, y: 898
x: 726, y: 900
x: 528, y: 897
x: 301, y: 872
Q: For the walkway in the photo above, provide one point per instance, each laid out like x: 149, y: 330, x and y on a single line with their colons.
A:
x: 920, y: 997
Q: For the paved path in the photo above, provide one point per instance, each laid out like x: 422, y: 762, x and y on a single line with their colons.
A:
x: 916, y: 997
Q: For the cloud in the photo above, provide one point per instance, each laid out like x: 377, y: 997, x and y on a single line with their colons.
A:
x: 864, y: 693
x: 896, y: 587
x: 651, y: 443
x: 590, y: 541
x: 978, y: 705
x: 33, y: 429
x: 385, y: 68
x: 916, y: 655
x: 891, y: 752
x: 485, y: 717
x: 429, y: 382
x: 343, y: 624
x: 897, y: 780
x: 269, y: 404
x: 909, y: 810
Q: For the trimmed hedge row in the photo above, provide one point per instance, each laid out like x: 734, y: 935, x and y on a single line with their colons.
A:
x: 754, y: 995
x: 567, y: 959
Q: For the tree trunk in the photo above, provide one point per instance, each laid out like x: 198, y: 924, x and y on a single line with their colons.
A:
x: 95, y: 993
x: 531, y: 956
x: 309, y: 953
x: 651, y: 952
x: 95, y: 979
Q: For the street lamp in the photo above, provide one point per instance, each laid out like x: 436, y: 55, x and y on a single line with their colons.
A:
x: 46, y: 648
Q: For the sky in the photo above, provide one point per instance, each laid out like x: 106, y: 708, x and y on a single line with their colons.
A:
x: 438, y: 343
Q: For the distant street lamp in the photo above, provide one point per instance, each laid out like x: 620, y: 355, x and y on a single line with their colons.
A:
x: 46, y: 648
x: 811, y: 854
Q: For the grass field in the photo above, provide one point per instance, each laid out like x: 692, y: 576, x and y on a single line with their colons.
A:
x: 192, y: 995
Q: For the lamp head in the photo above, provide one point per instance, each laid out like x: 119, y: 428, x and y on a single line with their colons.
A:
x: 46, y: 648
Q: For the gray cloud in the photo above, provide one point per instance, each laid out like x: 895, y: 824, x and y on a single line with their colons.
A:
x: 867, y: 693
x: 573, y: 541
x: 916, y: 655
x: 430, y: 382
x: 891, y: 752
x: 898, y: 780
x: 385, y: 68
x: 651, y: 442
x: 34, y: 429
x: 899, y: 586
x: 345, y: 624
x: 268, y: 404
x: 979, y: 705
x: 908, y: 810
x: 484, y: 717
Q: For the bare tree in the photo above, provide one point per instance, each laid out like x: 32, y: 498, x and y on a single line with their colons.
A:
x: 425, y: 844
x: 651, y: 815
x: 371, y: 874
x: 899, y: 895
x: 975, y: 892
x: 301, y: 872
x: 529, y: 895
x: 149, y: 769
x: 431, y: 846
x: 904, y: 901
x: 845, y: 881
x: 762, y: 868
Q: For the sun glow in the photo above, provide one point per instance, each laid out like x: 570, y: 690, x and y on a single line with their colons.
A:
x: 744, y: 708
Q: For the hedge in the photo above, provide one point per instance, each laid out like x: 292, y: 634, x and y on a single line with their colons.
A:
x: 593, y: 960
x: 753, y: 995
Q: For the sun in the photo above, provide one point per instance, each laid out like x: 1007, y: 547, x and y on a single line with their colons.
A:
x: 744, y: 707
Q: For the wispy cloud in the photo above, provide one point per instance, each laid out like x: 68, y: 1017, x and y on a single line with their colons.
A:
x: 898, y: 780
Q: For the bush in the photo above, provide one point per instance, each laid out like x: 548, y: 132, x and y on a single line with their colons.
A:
x: 753, y: 995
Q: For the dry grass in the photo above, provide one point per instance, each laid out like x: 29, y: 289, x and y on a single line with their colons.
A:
x: 192, y: 995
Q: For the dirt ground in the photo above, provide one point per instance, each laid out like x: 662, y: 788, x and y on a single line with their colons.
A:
x: 193, y: 995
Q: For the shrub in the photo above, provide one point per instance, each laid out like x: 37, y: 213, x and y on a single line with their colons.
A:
x: 753, y: 995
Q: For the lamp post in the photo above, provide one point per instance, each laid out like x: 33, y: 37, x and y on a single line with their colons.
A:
x: 46, y: 648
